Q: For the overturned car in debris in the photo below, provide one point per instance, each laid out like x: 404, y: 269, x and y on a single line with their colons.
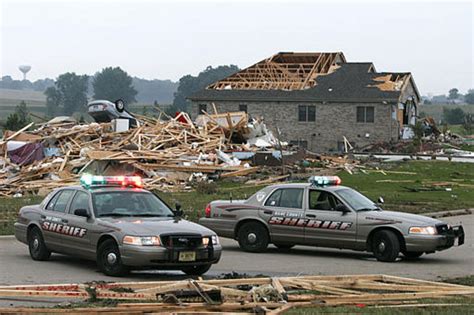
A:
x: 324, y: 213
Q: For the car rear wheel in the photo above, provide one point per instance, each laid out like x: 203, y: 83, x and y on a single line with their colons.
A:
x: 412, y: 255
x: 120, y: 106
x: 197, y: 270
x: 36, y: 245
x: 253, y: 237
x: 385, y: 246
x: 284, y: 246
x: 109, y: 259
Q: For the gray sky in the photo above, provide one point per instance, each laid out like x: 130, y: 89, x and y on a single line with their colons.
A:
x: 168, y: 39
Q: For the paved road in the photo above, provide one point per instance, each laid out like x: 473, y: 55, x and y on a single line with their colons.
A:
x: 16, y: 267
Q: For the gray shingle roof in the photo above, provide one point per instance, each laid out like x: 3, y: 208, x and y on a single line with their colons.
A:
x: 352, y: 82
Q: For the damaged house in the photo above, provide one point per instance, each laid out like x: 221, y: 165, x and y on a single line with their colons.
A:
x: 318, y: 100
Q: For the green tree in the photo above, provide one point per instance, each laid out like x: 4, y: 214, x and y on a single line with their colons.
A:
x: 19, y: 118
x: 53, y: 101
x: 453, y: 94
x: 72, y: 89
x: 189, y: 84
x: 469, y: 97
x: 113, y: 84
x: 454, y: 116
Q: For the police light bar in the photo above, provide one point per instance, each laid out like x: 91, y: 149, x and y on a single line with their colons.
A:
x: 325, y: 180
x: 88, y: 180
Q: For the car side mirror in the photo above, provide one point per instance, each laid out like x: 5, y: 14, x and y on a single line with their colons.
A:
x: 82, y: 213
x: 178, y: 212
x: 380, y: 200
x: 342, y: 208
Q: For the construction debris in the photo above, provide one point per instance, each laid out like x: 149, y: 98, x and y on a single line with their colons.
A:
x: 272, y: 295
x: 57, y: 152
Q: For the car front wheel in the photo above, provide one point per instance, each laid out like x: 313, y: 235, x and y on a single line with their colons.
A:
x: 385, y: 246
x: 197, y: 270
x: 253, y: 237
x: 109, y: 259
x: 36, y: 245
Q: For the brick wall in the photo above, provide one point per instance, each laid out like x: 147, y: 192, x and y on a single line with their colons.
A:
x: 333, y: 122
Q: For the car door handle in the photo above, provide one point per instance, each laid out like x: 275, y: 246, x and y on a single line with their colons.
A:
x: 268, y: 212
x: 64, y: 221
x: 311, y: 215
x: 43, y: 217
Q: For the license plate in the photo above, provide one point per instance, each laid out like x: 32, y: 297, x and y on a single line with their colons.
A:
x: 187, y: 256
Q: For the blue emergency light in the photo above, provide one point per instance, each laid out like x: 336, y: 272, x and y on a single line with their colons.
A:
x: 325, y: 180
x: 88, y: 180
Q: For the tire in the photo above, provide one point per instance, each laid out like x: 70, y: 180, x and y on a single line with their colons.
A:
x: 253, y: 237
x: 385, y: 246
x: 36, y: 245
x: 412, y: 255
x: 284, y: 246
x: 109, y: 259
x: 120, y: 106
x: 196, y: 270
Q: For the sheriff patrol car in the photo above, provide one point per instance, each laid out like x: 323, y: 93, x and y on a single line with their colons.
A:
x: 324, y: 213
x: 116, y: 222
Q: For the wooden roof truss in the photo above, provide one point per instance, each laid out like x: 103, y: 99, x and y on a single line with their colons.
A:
x: 283, y: 71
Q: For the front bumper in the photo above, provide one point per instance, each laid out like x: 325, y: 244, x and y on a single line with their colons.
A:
x: 432, y: 243
x: 167, y: 258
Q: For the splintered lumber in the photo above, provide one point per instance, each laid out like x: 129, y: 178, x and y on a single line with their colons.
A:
x: 237, y: 294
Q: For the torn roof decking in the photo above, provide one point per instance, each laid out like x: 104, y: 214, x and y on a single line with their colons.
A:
x: 345, y: 82
x: 283, y: 71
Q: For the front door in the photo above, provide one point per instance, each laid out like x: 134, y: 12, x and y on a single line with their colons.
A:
x: 326, y: 226
x: 77, y: 238
x: 284, y: 214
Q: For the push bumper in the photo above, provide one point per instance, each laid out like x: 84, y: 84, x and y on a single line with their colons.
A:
x: 432, y: 243
x: 143, y: 256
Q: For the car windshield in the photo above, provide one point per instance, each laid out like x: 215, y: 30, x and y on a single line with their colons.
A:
x: 356, y: 200
x: 129, y: 204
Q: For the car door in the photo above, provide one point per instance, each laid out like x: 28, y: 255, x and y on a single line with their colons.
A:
x: 284, y: 213
x: 326, y: 226
x: 77, y: 238
x: 53, y: 219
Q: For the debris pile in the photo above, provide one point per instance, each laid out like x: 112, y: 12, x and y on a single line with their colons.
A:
x: 167, y: 153
x: 250, y: 295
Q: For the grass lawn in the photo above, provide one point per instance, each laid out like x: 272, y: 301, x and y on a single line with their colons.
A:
x: 397, y: 190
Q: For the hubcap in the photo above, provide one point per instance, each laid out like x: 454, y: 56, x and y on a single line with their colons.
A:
x: 35, y: 244
x: 381, y: 247
x: 252, y: 238
x: 111, y: 258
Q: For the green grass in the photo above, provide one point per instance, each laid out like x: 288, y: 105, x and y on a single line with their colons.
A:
x: 396, y: 193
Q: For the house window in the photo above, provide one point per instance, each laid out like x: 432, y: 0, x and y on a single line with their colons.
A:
x: 243, y: 108
x: 306, y: 113
x: 365, y: 114
x: 202, y: 108
x: 299, y: 143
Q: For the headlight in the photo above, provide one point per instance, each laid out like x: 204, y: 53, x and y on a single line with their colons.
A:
x: 214, y: 238
x: 427, y: 230
x: 142, y: 240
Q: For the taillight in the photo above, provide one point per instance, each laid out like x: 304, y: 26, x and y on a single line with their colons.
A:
x: 207, y: 212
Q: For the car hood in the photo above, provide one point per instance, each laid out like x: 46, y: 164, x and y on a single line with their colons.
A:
x: 401, y: 217
x: 155, y: 226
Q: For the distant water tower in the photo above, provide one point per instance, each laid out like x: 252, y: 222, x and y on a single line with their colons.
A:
x: 25, y: 70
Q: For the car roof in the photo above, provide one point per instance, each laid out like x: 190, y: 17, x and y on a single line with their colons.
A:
x: 309, y: 185
x: 105, y: 188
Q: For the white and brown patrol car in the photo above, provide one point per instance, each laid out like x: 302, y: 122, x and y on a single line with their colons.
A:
x: 323, y: 213
x: 120, y: 225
